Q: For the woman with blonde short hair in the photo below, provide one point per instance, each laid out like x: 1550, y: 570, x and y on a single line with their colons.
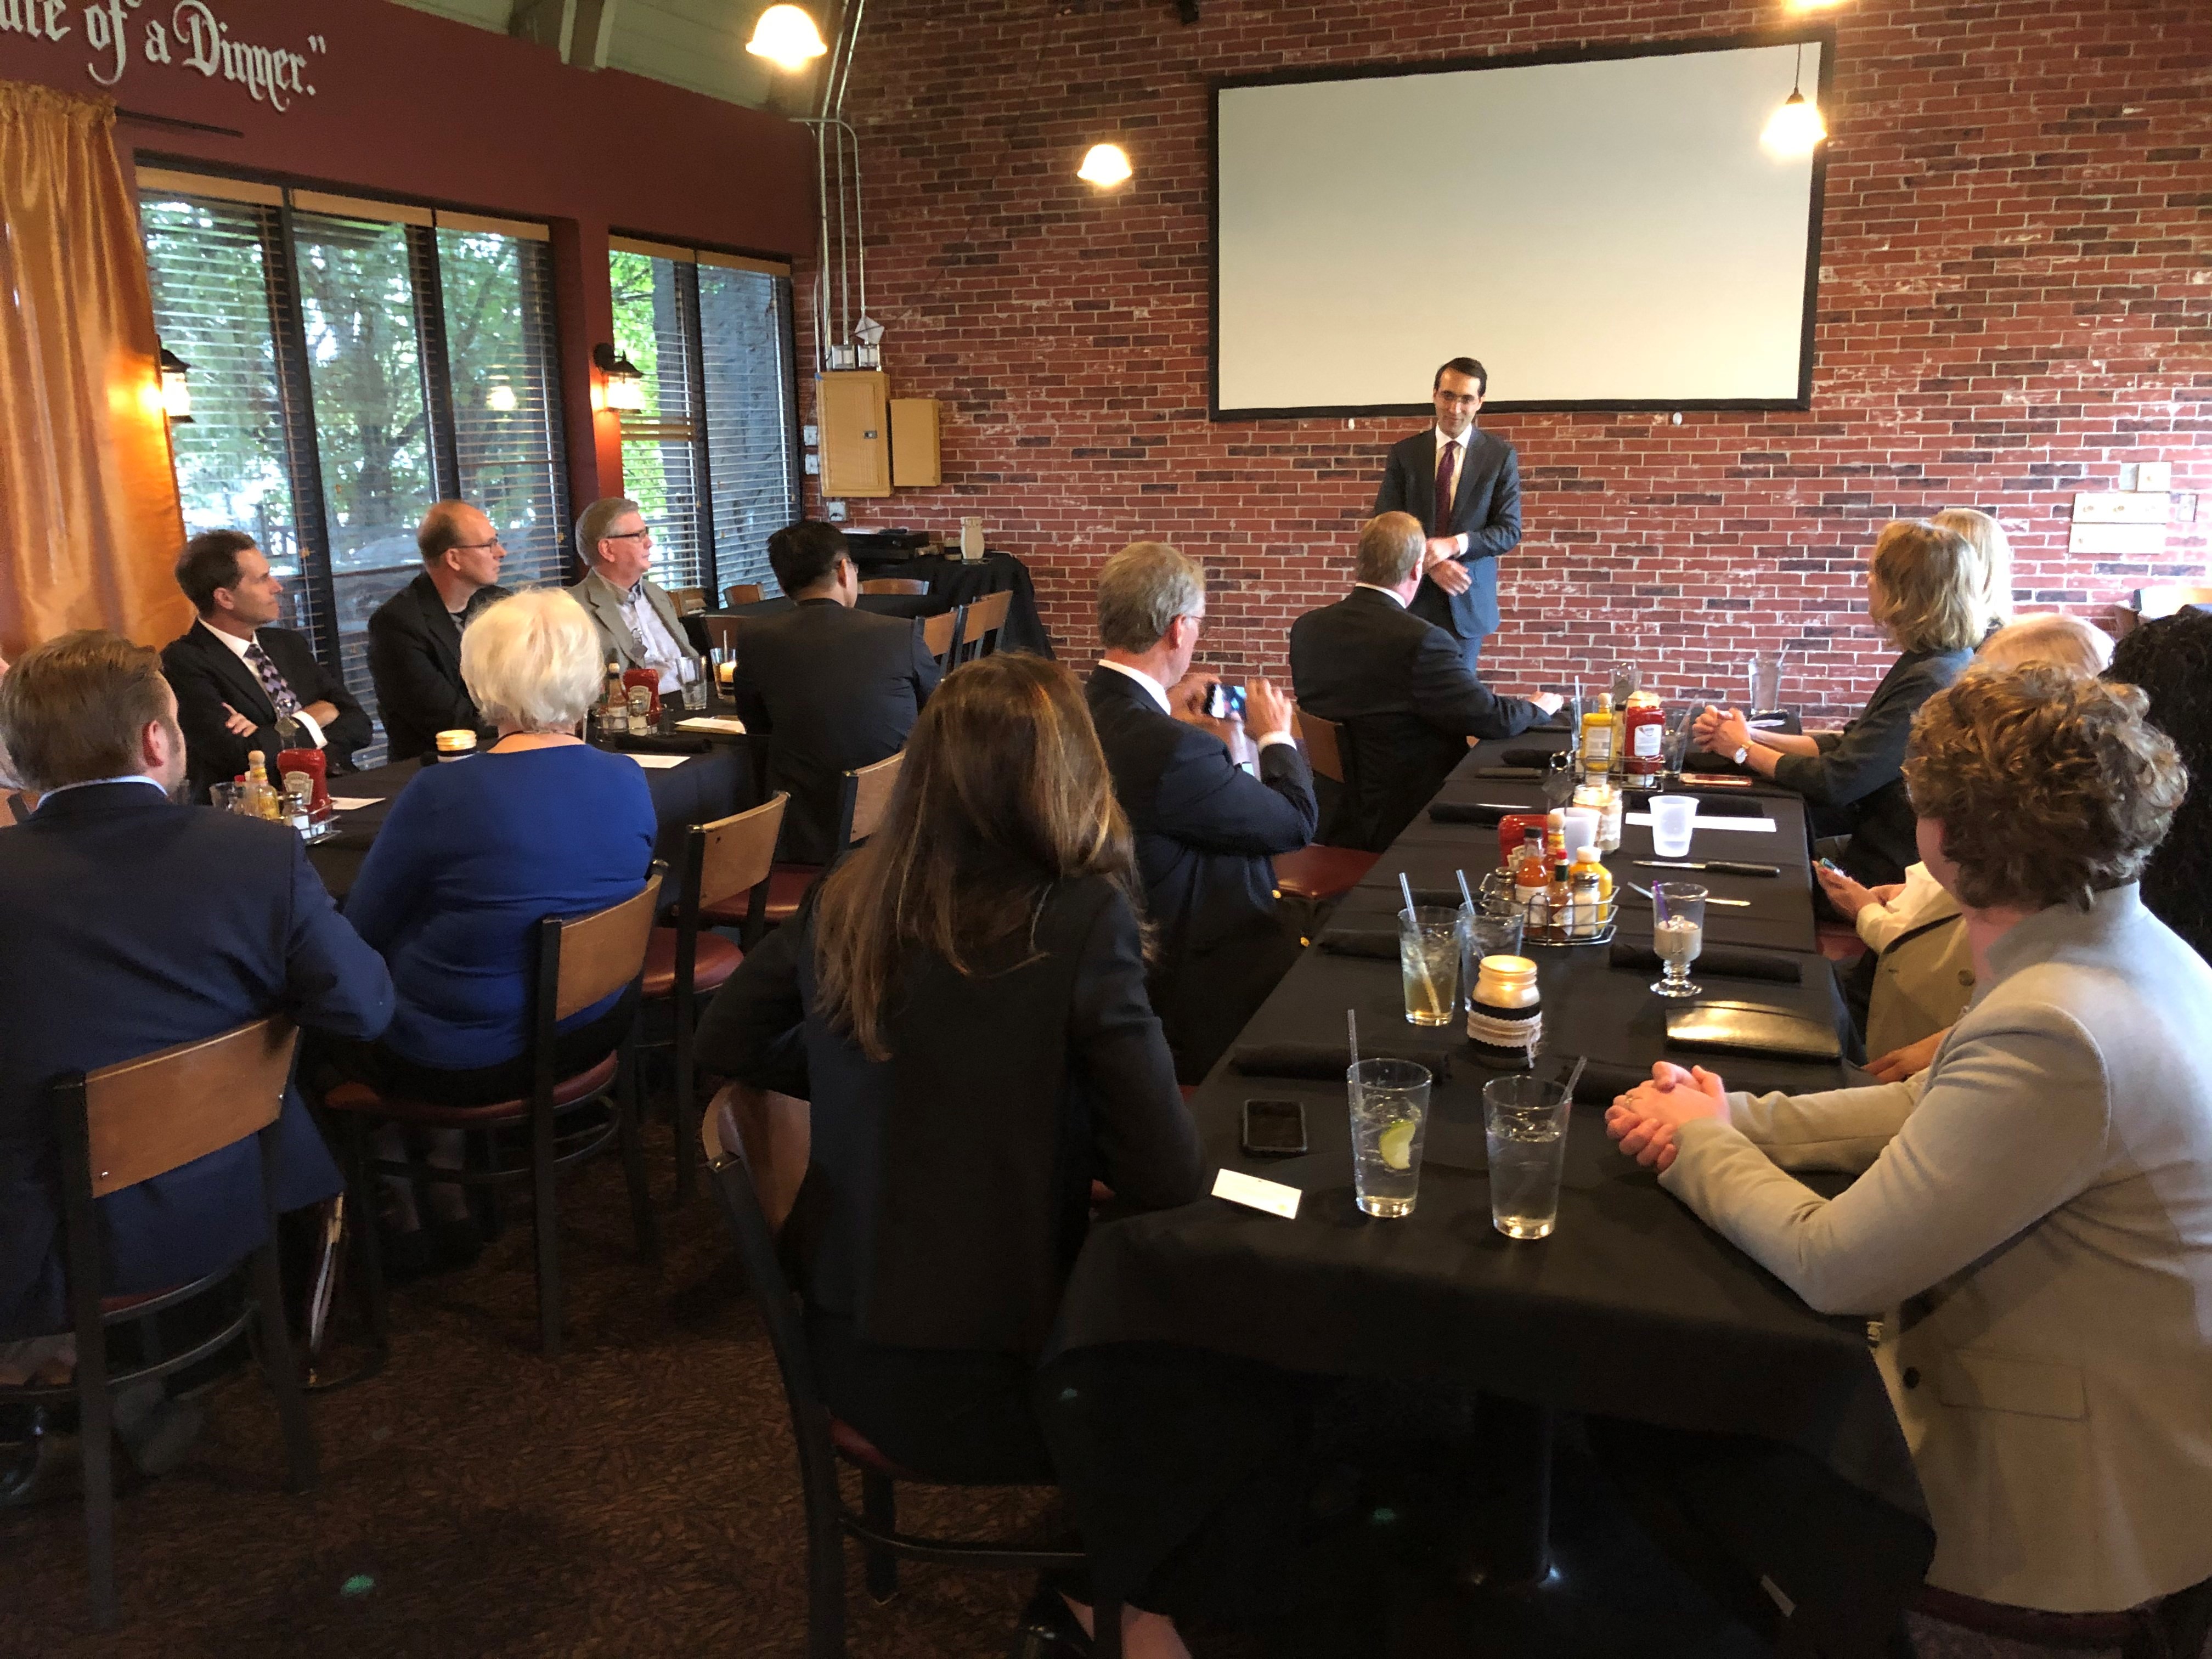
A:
x: 1925, y: 591
x: 472, y: 855
x: 1992, y: 551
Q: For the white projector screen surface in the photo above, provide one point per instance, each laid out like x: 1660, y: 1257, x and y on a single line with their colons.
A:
x: 1608, y: 231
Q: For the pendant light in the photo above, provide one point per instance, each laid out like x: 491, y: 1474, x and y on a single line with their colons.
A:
x: 787, y: 37
x: 1795, y: 129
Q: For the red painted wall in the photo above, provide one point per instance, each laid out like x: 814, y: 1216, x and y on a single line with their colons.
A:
x: 2015, y: 299
x: 410, y: 105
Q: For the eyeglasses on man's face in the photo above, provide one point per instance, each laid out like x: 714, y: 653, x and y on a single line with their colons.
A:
x: 644, y: 533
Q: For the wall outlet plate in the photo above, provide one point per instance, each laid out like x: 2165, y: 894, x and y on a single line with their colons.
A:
x: 811, y: 437
x: 835, y: 510
x: 814, y: 468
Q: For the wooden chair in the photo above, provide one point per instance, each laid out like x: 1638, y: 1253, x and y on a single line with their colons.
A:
x: 979, y: 634
x: 941, y: 634
x: 1316, y: 871
x: 722, y: 633
x: 737, y: 594
x: 689, y: 601
x: 894, y: 585
x: 581, y: 960
x: 128, y: 1123
x: 823, y: 1441
x: 725, y: 865
x: 864, y: 795
x: 17, y: 805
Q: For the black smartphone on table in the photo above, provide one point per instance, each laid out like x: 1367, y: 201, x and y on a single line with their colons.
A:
x: 1275, y: 1128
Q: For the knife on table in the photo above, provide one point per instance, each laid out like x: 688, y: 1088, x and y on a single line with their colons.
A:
x: 1718, y: 866
x: 1733, y: 904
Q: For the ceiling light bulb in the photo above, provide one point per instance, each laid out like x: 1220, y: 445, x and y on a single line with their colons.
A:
x: 1795, y: 129
x: 1106, y: 166
x: 787, y: 37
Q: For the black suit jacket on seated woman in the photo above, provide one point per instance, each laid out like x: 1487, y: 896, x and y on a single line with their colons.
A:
x: 1855, y: 784
x: 948, y: 1187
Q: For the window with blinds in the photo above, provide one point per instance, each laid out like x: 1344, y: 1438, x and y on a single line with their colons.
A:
x: 711, y: 459
x: 354, y: 361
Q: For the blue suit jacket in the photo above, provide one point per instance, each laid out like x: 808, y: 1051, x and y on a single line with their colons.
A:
x: 1485, y: 509
x: 132, y: 924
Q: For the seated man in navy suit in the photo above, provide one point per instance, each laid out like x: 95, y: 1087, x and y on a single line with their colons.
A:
x: 1206, y: 829
x: 237, y: 677
x: 133, y: 924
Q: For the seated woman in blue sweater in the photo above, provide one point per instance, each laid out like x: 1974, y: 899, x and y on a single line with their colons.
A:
x: 473, y: 854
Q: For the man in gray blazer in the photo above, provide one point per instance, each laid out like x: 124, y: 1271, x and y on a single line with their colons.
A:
x: 2034, y: 1211
x: 637, y: 620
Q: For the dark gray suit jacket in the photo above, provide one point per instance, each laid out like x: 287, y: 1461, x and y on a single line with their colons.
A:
x: 415, y: 660
x: 1485, y: 509
x: 205, y: 674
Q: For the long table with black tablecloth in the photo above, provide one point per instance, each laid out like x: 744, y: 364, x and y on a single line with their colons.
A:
x: 1632, y: 1310
x: 710, y: 784
x: 952, y: 582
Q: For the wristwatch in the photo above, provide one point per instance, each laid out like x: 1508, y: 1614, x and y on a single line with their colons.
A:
x: 1742, y: 755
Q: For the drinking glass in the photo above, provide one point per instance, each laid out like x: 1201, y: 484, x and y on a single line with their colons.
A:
x: 1678, y: 933
x: 1486, y: 933
x: 1428, y: 963
x: 1674, y: 742
x: 1673, y: 819
x: 1581, y: 827
x: 1559, y: 777
x: 1766, y: 682
x: 1390, y: 1101
x: 1524, y: 1121
x: 225, y: 797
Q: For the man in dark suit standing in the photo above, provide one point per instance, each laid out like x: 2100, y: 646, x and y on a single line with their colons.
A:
x: 1406, y: 700
x: 1465, y: 488
x: 133, y: 924
x: 415, y: 636
x: 833, y: 688
x: 236, y: 676
x: 1206, y: 829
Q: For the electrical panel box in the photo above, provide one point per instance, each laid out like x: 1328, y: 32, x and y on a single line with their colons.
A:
x: 915, y: 464
x: 853, y: 407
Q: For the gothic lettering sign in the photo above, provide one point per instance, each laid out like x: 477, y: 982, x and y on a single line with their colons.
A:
x: 187, y: 37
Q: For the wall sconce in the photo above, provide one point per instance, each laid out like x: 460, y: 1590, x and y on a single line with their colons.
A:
x: 1797, y: 128
x: 1106, y: 166
x: 787, y: 37
x: 500, y: 397
x: 625, y: 385
x: 176, y: 390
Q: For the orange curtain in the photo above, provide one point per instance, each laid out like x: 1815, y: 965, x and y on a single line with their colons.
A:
x: 89, y: 521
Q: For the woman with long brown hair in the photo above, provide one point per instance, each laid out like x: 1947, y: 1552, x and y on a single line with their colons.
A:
x: 963, y: 1002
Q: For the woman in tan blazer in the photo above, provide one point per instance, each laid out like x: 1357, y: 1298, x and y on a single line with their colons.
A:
x: 2035, y: 1213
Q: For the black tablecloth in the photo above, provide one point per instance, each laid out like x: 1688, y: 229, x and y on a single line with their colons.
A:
x: 703, y: 789
x: 952, y: 582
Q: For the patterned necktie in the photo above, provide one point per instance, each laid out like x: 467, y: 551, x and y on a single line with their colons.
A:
x: 273, y: 683
x: 1445, y: 457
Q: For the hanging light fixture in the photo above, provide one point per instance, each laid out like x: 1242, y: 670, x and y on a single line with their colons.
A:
x: 1106, y: 166
x: 176, y: 390
x: 1795, y: 129
x: 500, y: 397
x: 625, y: 385
x: 787, y: 37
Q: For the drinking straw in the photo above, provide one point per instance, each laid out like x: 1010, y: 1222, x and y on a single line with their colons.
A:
x: 1420, y: 953
x: 1464, y: 892
x: 1576, y: 1076
x: 1352, y: 1036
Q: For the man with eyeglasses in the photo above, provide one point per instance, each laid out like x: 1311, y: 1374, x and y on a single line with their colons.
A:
x: 638, y: 623
x: 1464, y: 486
x: 415, y: 636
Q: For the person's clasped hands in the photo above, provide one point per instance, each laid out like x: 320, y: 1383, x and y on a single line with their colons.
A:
x: 1644, y: 1121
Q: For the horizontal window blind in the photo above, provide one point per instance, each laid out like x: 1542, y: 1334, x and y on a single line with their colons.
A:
x: 745, y: 350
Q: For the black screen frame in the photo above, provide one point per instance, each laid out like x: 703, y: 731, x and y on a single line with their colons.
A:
x: 1823, y: 34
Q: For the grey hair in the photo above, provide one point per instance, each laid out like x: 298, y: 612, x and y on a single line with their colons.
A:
x: 595, y: 520
x: 1141, y: 592
x: 1391, y: 548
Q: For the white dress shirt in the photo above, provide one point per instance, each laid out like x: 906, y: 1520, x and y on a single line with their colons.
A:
x: 95, y: 783
x: 1451, y: 491
x: 661, y: 650
x: 238, y: 650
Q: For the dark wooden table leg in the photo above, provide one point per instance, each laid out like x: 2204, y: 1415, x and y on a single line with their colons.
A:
x: 1512, y: 1541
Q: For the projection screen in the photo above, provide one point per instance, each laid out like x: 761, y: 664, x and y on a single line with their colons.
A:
x: 1603, y: 231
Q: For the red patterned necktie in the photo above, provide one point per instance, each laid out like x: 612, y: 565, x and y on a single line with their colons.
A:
x: 1444, y: 459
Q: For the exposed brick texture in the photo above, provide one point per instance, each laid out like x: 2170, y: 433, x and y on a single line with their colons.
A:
x: 2015, y: 298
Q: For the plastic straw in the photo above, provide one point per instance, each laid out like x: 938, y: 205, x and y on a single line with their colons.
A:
x: 1464, y: 892
x: 1421, y: 950
x: 1576, y: 1076
x: 1352, y: 1032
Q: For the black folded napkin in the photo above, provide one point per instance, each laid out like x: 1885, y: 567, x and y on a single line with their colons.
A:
x: 1464, y: 811
x: 1539, y: 759
x: 1520, y: 774
x: 1722, y: 961
x: 1361, y: 942
x: 1327, y: 1062
x: 651, y: 743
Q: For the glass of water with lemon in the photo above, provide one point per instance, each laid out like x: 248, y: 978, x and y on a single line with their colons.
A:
x: 1390, y: 1116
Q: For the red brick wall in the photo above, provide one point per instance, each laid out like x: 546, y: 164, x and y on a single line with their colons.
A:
x: 2013, y: 301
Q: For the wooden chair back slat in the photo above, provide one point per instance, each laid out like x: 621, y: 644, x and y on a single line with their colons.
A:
x: 722, y: 633
x: 737, y: 594
x: 739, y: 851
x: 1324, y: 743
x: 940, y: 634
x: 872, y: 787
x: 894, y: 585
x: 17, y: 805
x: 986, y: 617
x: 688, y: 600
x: 605, y: 950
x: 152, y: 1114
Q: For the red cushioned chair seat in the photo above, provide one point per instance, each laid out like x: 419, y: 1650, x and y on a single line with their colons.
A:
x: 856, y: 1447
x: 713, y: 960
x: 360, y: 1098
x: 1315, y: 872
x: 116, y: 1304
x: 787, y: 885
